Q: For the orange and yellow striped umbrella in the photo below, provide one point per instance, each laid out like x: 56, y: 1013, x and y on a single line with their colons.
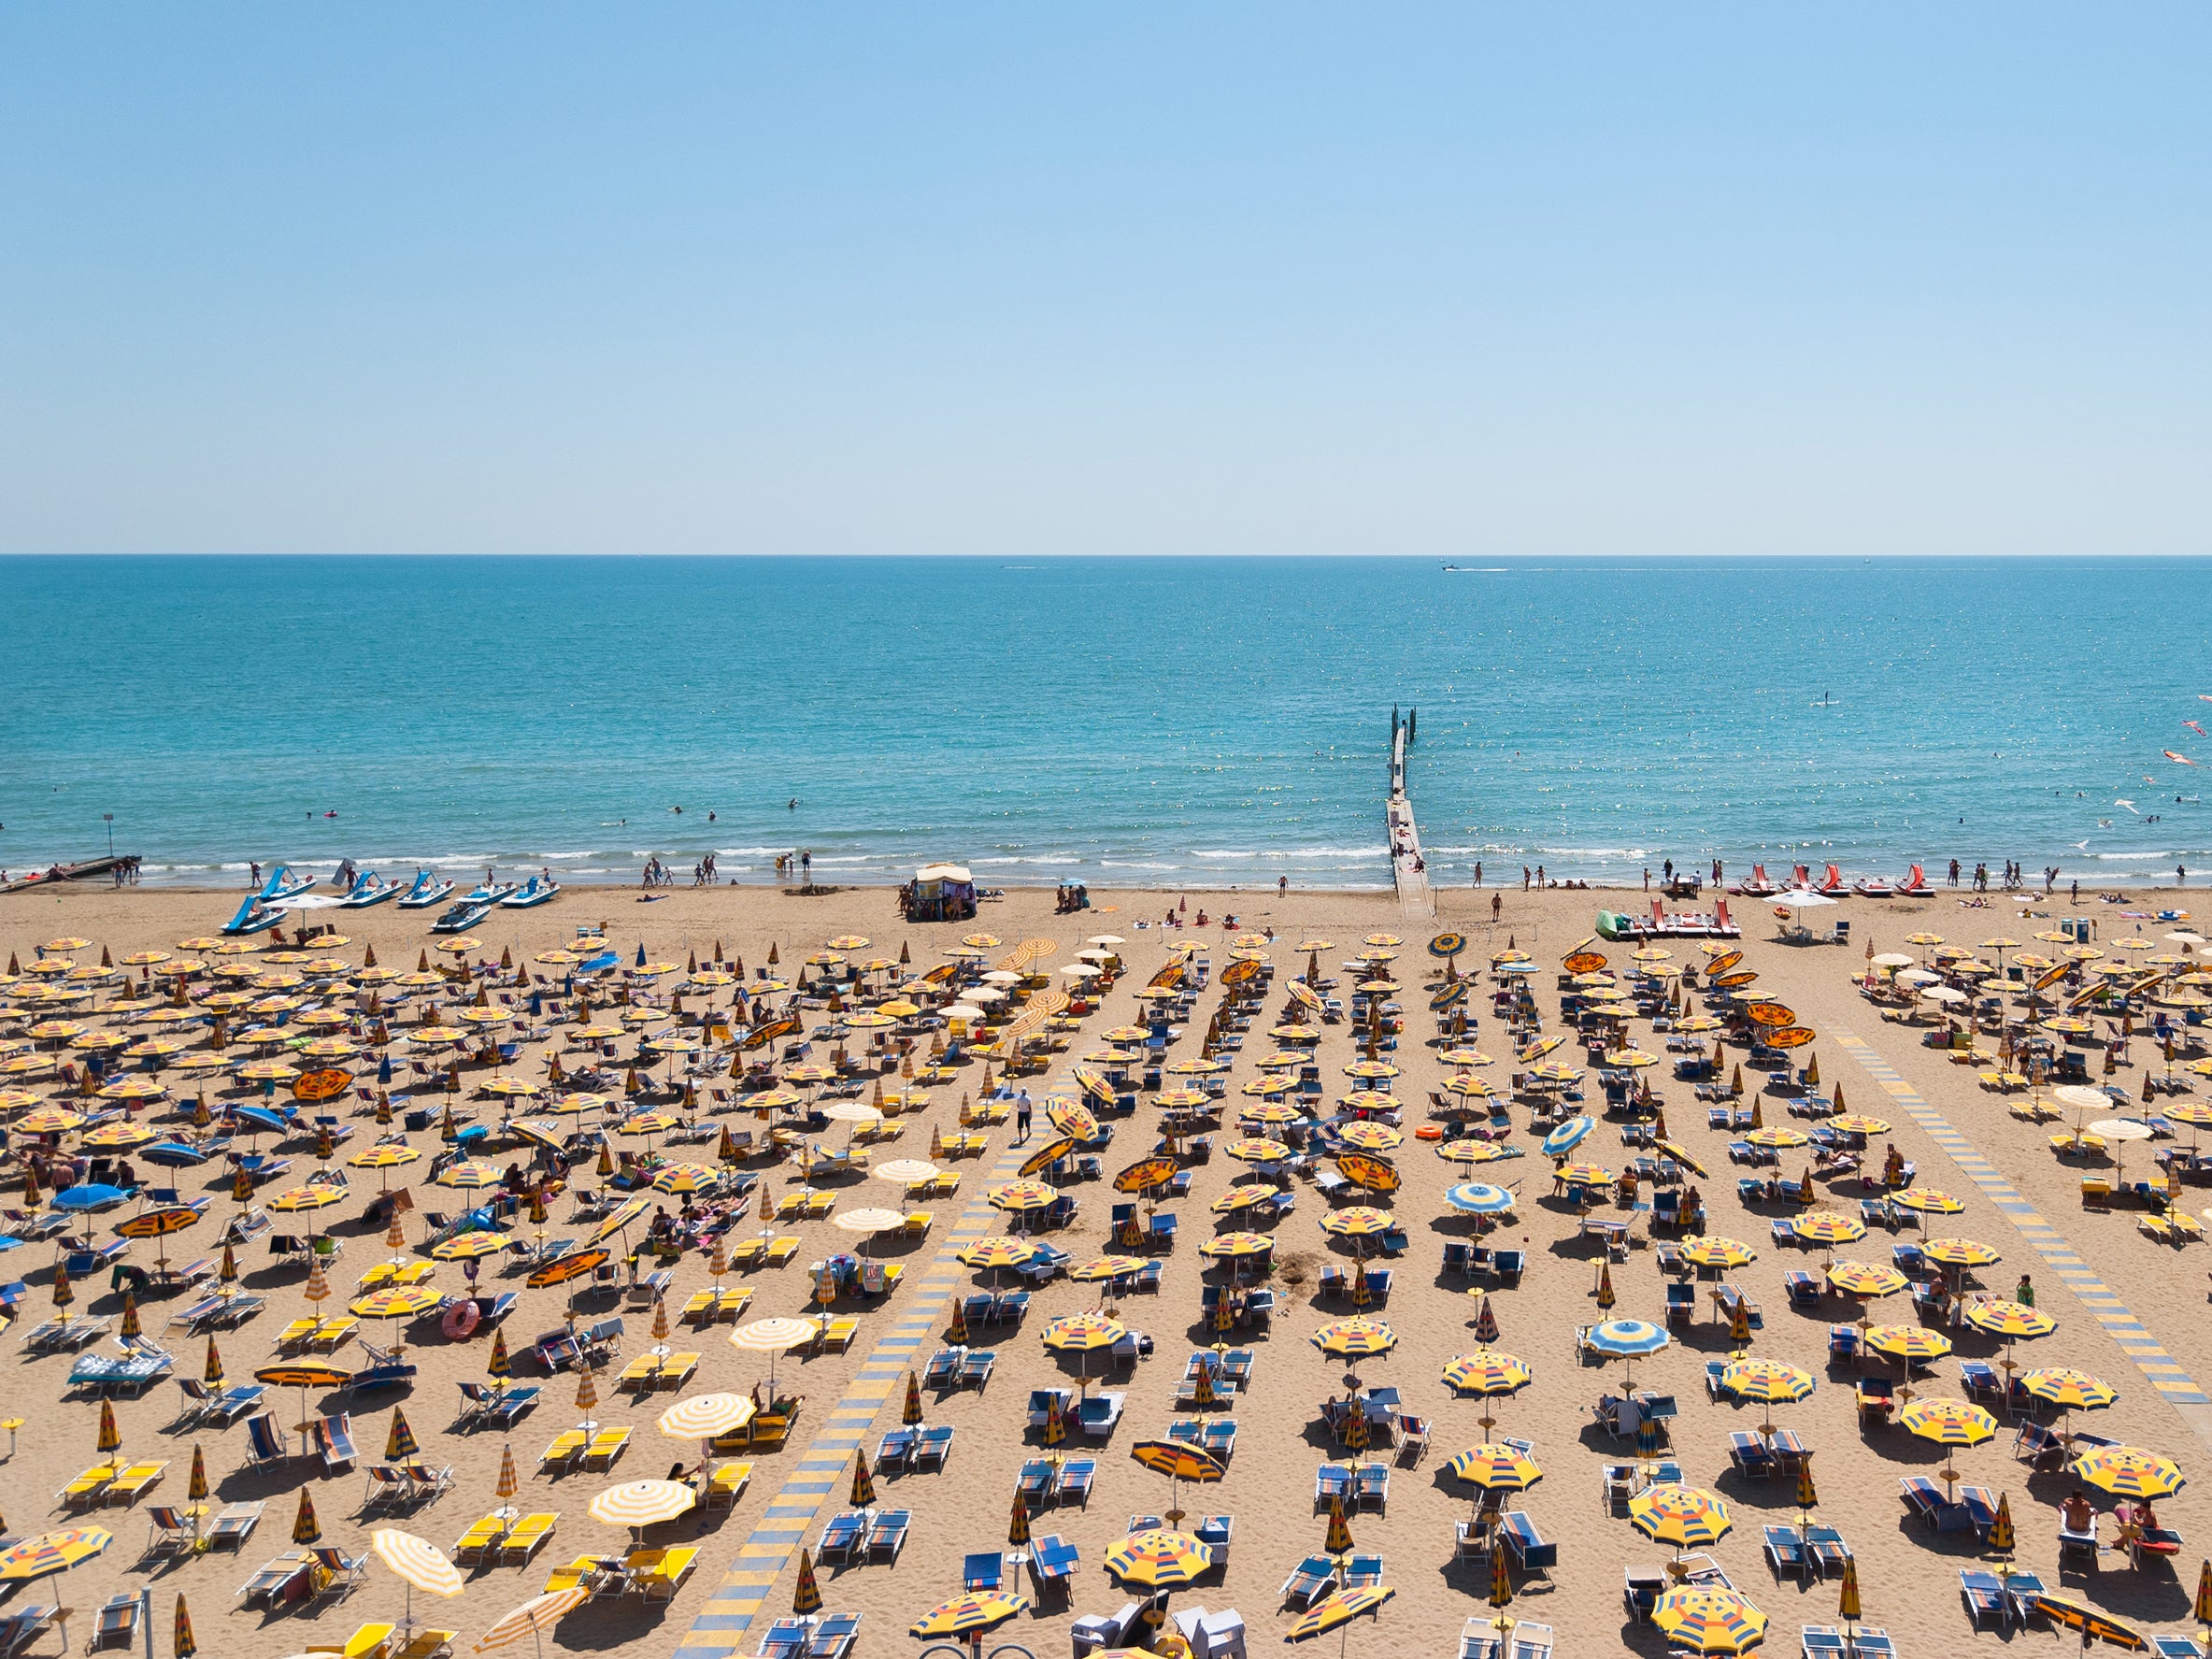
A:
x: 1907, y: 1342
x: 1710, y: 1620
x: 1486, y: 1371
x: 1864, y: 1279
x: 2126, y: 1471
x: 1960, y: 1252
x: 2010, y: 1320
x: 1157, y: 1560
x: 1948, y: 1422
x: 1714, y: 1250
x: 1825, y: 1226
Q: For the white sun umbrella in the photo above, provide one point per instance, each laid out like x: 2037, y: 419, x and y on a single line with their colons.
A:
x: 703, y: 1417
x: 2119, y: 1131
x: 1942, y: 994
x: 1893, y: 959
x: 966, y: 1010
x: 1080, y: 970
x: 987, y: 993
x: 1108, y: 939
x: 1919, y: 976
x: 869, y: 1221
x: 999, y: 976
x: 532, y: 1619
x: 1801, y: 899
x: 640, y: 1504
x: 772, y: 1337
x: 419, y: 1564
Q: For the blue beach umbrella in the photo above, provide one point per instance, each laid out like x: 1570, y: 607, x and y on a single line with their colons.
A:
x: 1626, y: 1338
x: 384, y: 1071
x: 1478, y: 1198
x: 171, y: 1154
x: 1567, y: 1137
x: 258, y: 1118
x: 92, y: 1195
x: 640, y: 952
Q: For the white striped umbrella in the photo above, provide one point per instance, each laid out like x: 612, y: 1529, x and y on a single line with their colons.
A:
x: 531, y: 1620
x: 642, y: 1503
x: 419, y: 1564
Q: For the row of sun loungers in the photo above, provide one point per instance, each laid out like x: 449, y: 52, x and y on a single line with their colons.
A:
x: 864, y: 1535
x: 830, y: 1635
x: 915, y: 1449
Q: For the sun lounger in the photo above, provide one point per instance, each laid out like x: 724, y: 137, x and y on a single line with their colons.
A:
x: 333, y: 1437
x: 728, y: 1485
x: 1926, y: 1500
x: 833, y: 1636
x: 481, y: 1537
x: 786, y: 1638
x: 844, y: 1537
x: 1309, y: 1580
x: 1785, y: 1551
x: 1372, y: 1482
x: 235, y: 1526
x: 508, y: 1405
x: 134, y: 1483
x: 933, y: 1446
x: 118, y: 1623
x: 1825, y: 1550
x: 168, y: 1532
x: 983, y: 1571
x: 528, y: 1537
x: 370, y: 1641
x: 1074, y: 1481
x: 893, y: 1450
x: 1984, y: 1596
x: 564, y: 1449
x: 606, y: 1446
x: 975, y: 1368
x: 337, y: 1574
x: 276, y: 1578
x: 887, y: 1533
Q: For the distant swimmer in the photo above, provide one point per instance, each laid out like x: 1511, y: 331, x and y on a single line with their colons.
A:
x: 794, y: 805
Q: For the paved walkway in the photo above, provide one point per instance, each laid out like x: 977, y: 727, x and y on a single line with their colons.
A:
x: 824, y: 1469
x: 2159, y: 1368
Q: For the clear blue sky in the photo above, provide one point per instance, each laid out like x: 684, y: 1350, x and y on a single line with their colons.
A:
x: 1017, y: 279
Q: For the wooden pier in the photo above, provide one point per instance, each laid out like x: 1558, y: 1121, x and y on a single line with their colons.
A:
x: 1408, y: 866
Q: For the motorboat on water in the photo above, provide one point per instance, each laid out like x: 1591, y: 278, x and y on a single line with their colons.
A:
x: 427, y: 890
x: 369, y: 889
x: 535, y: 891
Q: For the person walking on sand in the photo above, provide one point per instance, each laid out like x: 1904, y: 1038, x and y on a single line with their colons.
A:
x: 1021, y: 1112
x: 2024, y: 1291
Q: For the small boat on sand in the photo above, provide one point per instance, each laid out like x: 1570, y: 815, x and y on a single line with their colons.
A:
x: 467, y: 911
x: 428, y: 889
x: 369, y: 889
x: 533, y: 892
x: 260, y: 913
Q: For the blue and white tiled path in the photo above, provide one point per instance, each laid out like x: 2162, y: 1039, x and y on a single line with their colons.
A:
x: 2160, y: 1369
x: 827, y: 1465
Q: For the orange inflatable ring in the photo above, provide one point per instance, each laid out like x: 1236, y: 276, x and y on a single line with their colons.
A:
x: 1429, y: 1132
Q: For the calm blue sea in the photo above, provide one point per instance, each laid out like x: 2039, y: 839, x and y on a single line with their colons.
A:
x: 1136, y: 721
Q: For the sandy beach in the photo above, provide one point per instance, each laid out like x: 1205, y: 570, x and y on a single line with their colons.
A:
x: 2128, y: 1309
